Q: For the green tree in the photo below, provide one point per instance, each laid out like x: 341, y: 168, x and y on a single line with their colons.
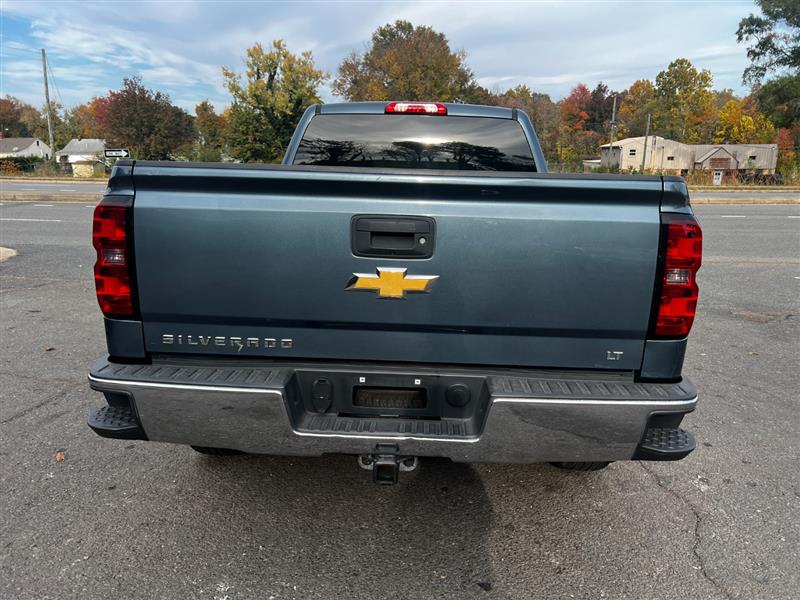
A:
x: 779, y: 99
x: 684, y: 108
x: 211, y: 131
x: 146, y: 122
x: 277, y: 88
x: 774, y: 37
x: 404, y: 62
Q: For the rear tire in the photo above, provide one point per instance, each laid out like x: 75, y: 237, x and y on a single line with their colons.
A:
x: 581, y: 466
x: 216, y: 451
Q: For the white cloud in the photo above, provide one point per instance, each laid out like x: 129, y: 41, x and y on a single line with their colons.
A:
x: 179, y: 47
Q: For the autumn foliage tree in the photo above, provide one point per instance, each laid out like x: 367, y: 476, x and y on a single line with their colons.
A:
x: 739, y: 122
x: 269, y: 101
x: 407, y: 62
x: 211, y: 132
x: 543, y: 112
x: 146, y: 122
x: 634, y: 108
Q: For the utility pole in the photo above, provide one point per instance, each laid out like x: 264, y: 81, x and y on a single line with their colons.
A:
x: 646, y: 135
x: 613, y: 132
x: 48, y: 107
x: 613, y: 121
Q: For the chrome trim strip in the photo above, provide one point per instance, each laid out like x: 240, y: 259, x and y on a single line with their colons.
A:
x: 393, y: 438
x: 654, y: 403
x: 183, y: 386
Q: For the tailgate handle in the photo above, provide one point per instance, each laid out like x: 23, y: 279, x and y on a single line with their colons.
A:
x: 379, y: 236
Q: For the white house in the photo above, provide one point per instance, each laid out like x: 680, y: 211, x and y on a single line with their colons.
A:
x: 660, y: 154
x: 85, y: 156
x: 24, y: 146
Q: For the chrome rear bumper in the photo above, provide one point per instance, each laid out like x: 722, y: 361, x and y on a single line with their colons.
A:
x: 581, y: 417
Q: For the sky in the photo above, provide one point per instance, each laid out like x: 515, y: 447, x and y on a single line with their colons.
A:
x: 178, y: 47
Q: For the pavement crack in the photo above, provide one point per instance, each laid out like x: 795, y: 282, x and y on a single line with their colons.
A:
x: 698, y: 521
x: 49, y: 400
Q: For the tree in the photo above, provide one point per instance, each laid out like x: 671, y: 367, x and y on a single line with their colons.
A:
x: 575, y: 140
x: 543, y: 112
x: 740, y: 123
x: 775, y: 39
x: 684, y: 103
x: 146, y: 122
x: 210, y: 133
x: 788, y: 142
x: 600, y: 108
x: 88, y: 120
x: 574, y: 108
x: 779, y: 99
x: 636, y: 104
x: 278, y: 87
x: 12, y: 121
x: 404, y: 62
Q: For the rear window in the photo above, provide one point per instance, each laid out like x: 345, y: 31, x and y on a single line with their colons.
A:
x: 415, y: 142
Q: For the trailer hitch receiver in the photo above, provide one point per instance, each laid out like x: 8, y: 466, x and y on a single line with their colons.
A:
x: 387, y: 463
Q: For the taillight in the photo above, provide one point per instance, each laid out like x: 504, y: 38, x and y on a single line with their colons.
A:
x: 679, y: 291
x: 425, y: 108
x: 113, y: 269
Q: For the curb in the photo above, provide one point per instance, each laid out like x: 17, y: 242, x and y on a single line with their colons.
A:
x: 89, y: 180
x: 754, y: 189
x: 752, y: 201
x: 62, y: 197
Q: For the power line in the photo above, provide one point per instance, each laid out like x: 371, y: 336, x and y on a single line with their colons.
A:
x: 52, y: 75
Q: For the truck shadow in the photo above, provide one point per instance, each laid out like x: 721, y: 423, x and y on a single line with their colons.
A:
x: 427, y: 537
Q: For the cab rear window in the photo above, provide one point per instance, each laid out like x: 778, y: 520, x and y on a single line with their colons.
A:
x: 415, y: 142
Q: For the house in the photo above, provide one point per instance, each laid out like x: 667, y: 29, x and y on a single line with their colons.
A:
x: 24, y: 146
x: 758, y: 158
x: 669, y: 156
x: 83, y: 156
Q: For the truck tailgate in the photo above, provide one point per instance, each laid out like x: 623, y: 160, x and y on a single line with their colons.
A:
x: 533, y: 270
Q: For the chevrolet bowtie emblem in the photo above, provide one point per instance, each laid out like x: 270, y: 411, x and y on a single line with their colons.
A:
x: 391, y: 283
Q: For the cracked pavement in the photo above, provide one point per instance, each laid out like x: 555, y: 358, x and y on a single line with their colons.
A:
x: 120, y: 519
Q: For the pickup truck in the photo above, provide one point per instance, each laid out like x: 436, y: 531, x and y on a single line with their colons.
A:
x: 410, y: 282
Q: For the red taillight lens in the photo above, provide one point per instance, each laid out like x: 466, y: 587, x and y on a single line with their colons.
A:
x: 679, y: 291
x: 112, y: 271
x: 425, y: 108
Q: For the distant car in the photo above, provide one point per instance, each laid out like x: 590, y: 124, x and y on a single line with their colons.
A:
x: 410, y: 282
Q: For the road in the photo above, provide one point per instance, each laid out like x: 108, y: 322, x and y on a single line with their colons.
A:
x: 120, y: 519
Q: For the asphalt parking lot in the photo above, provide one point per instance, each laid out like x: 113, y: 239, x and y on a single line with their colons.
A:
x: 83, y: 517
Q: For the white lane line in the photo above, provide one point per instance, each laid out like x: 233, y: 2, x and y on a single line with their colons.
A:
x: 29, y: 189
x: 67, y: 190
x: 733, y: 216
x: 794, y: 217
x: 44, y: 205
x: 90, y: 205
x: 35, y: 220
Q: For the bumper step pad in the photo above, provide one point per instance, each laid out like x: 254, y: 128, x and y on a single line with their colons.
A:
x: 665, y: 444
x: 118, y: 422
